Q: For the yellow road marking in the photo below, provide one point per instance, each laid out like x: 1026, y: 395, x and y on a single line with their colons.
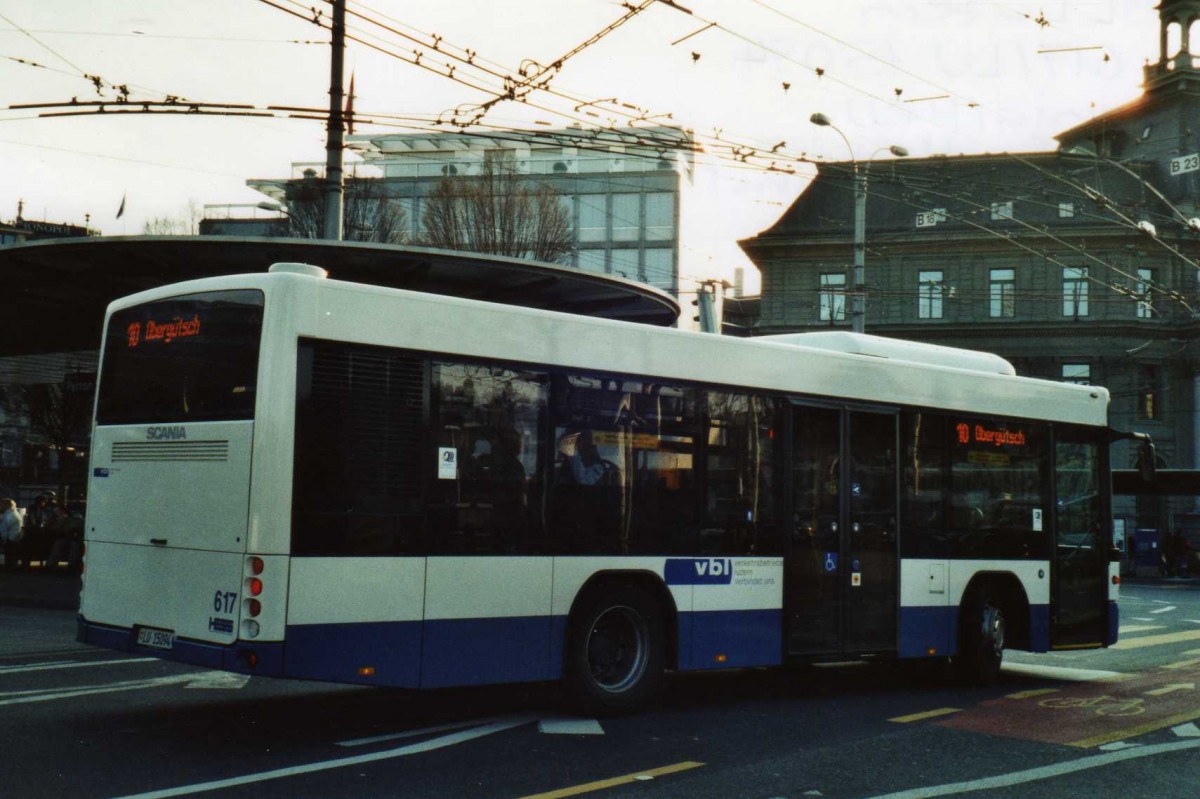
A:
x: 1034, y: 692
x: 1157, y: 640
x: 1183, y: 664
x: 1132, y: 732
x: 600, y: 785
x: 1170, y: 689
x: 928, y: 714
x: 1139, y: 628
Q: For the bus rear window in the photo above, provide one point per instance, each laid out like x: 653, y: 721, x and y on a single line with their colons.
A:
x: 192, y: 358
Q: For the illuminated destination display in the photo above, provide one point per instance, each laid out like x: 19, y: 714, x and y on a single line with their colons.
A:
x: 165, y: 332
x: 980, y: 434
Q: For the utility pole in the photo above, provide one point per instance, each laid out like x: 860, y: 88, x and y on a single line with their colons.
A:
x: 858, y: 299
x: 334, y: 141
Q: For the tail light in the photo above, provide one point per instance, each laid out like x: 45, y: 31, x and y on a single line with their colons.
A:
x: 252, y: 589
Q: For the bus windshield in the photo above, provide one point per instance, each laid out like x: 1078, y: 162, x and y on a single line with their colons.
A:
x: 188, y: 358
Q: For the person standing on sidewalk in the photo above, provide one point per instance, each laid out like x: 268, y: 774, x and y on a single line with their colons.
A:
x: 10, y: 532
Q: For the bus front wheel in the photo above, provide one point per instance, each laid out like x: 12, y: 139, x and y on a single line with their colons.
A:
x: 615, y: 649
x: 981, y: 637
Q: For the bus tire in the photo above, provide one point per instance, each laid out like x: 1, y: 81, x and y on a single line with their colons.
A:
x: 614, y: 656
x: 981, y: 633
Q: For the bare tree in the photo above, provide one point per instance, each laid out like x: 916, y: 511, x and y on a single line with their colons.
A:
x: 499, y: 212
x: 57, y: 412
x: 367, y: 213
x: 187, y: 223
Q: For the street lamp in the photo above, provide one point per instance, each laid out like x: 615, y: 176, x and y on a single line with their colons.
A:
x: 858, y: 311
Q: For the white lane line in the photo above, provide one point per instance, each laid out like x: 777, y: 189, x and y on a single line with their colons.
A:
x: 326, y: 765
x: 70, y: 664
x: 1189, y: 730
x: 1041, y: 773
x: 1139, y: 628
x: 1060, y: 672
x: 395, y: 736
x: 1167, y: 609
x: 25, y: 697
x: 214, y: 679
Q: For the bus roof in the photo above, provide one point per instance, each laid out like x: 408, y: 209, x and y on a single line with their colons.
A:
x: 849, y: 367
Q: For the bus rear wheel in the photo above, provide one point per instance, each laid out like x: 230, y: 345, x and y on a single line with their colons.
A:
x: 615, y: 649
x: 981, y: 637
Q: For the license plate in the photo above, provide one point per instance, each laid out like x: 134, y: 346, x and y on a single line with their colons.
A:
x: 155, y: 639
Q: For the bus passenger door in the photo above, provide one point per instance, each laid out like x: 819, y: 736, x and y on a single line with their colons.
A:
x: 841, y: 571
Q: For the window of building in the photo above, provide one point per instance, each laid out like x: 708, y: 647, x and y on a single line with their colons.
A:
x: 660, y: 216
x: 626, y: 217
x: 593, y: 261
x: 659, y: 266
x: 1075, y: 291
x: 833, y: 297
x: 1077, y: 373
x: 593, y: 217
x: 625, y: 264
x: 1148, y: 393
x: 1066, y: 210
x: 1145, y: 301
x: 1002, y: 293
x: 1002, y: 210
x: 930, y: 289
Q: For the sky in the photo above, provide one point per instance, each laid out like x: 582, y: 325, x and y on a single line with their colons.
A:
x: 933, y: 76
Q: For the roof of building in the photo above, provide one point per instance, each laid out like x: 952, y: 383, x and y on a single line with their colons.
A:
x: 962, y: 193
x: 56, y: 291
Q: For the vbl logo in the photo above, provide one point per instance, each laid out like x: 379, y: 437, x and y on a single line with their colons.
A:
x: 699, y: 571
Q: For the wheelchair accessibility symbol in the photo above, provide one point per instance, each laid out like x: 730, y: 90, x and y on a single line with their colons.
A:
x: 831, y: 561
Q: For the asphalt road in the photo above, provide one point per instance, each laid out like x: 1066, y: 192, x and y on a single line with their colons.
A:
x: 82, y: 722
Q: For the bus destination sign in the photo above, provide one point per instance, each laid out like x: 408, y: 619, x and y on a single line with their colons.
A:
x: 980, y: 434
x: 166, y: 332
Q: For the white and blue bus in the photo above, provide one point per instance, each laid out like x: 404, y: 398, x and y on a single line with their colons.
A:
x: 298, y: 477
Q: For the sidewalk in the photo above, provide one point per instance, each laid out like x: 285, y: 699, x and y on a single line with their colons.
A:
x: 35, y: 588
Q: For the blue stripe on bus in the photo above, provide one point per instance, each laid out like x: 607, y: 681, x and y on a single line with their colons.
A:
x: 926, y: 628
x: 337, y: 652
x: 484, y: 651
x: 1114, y: 623
x: 743, y: 637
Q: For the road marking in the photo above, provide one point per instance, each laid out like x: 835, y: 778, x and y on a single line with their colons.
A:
x: 928, y: 714
x: 1139, y: 628
x: 1183, y: 664
x: 395, y: 736
x: 1042, y: 772
x: 1187, y: 731
x: 600, y: 785
x: 1062, y: 672
x: 1133, y: 732
x: 1172, y: 688
x: 1033, y: 693
x: 69, y: 664
x: 216, y: 679
x: 566, y: 726
x: 1167, y: 609
x: 1157, y: 640
x: 327, y: 765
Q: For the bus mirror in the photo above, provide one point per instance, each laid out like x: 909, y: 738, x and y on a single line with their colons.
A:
x: 1145, y: 460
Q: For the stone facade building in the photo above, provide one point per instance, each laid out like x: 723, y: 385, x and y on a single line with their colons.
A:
x: 1080, y: 264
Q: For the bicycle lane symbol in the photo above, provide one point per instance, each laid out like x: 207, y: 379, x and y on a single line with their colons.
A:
x: 1089, y: 714
x: 1100, y: 705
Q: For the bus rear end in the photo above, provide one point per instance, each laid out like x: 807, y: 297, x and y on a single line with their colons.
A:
x: 167, y: 571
